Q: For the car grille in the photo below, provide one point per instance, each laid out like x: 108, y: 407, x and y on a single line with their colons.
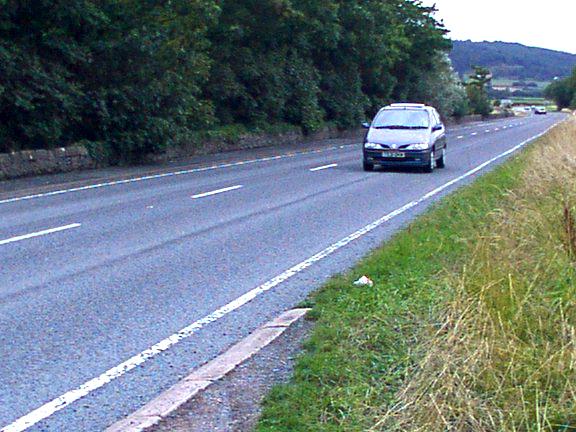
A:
x: 402, y: 147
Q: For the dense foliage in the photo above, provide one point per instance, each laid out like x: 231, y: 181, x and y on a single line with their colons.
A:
x: 124, y: 75
x: 563, y: 92
x: 130, y: 77
x: 476, y: 89
x: 444, y: 90
x: 512, y: 60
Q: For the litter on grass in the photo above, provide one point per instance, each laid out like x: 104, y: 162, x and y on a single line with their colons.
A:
x: 364, y: 281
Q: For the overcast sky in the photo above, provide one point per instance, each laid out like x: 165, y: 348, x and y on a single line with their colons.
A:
x: 548, y: 24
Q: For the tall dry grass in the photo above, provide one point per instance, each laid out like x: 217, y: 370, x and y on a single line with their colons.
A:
x: 503, y: 357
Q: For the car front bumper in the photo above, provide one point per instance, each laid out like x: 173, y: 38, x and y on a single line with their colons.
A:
x: 411, y: 158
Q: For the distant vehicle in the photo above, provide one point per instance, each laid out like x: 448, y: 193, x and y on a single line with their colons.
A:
x: 410, y: 135
x: 540, y: 110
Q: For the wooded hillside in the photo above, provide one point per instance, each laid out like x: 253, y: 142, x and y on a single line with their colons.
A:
x: 512, y: 60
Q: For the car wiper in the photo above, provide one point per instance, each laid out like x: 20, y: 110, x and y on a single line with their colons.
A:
x: 392, y: 127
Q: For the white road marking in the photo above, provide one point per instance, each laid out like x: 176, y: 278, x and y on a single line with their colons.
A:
x: 216, y: 192
x: 178, y: 173
x: 39, y: 234
x: 188, y: 387
x: 474, y: 133
x: 170, y: 174
x: 85, y: 389
x: 487, y: 130
x: 497, y: 129
x: 325, y: 167
x: 460, y: 137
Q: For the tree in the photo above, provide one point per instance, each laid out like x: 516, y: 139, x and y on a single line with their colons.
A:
x: 306, y: 62
x: 563, y: 92
x: 143, y: 87
x: 43, y: 44
x: 125, y: 74
x: 476, y: 90
x: 132, y: 77
x: 441, y: 88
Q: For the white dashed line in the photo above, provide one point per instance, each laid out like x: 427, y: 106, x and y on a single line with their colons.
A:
x: 116, y: 372
x: 171, y: 174
x: 474, y: 133
x: 39, y: 234
x: 325, y: 167
x: 179, y: 173
x: 460, y: 137
x: 216, y: 192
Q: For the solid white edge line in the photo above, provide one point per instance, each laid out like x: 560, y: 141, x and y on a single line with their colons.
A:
x: 216, y: 192
x: 85, y: 389
x: 39, y: 234
x: 206, y: 375
x: 325, y: 167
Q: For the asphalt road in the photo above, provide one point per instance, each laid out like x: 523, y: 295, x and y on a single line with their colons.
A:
x: 91, y: 279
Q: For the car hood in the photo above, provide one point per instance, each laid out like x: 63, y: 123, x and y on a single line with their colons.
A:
x: 398, y: 137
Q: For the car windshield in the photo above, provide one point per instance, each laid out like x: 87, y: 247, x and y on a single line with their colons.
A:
x: 401, y: 119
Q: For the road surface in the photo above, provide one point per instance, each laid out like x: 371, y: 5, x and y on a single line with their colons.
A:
x: 111, y: 293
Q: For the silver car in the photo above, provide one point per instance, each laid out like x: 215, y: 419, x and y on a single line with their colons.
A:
x: 540, y: 110
x: 405, y: 135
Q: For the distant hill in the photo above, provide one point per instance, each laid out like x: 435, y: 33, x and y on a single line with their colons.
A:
x: 512, y: 60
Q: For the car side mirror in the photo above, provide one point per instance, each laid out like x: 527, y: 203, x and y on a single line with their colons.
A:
x: 438, y: 127
x: 366, y: 125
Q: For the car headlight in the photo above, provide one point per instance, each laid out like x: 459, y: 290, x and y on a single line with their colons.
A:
x: 419, y: 146
x: 373, y: 146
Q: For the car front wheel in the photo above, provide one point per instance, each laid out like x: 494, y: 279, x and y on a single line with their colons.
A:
x: 441, y: 163
x: 368, y: 166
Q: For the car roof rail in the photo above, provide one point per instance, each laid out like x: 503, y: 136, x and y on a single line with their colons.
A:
x: 407, y: 105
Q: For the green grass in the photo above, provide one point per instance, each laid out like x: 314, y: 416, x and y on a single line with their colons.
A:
x: 509, y: 82
x: 551, y: 106
x: 530, y: 100
x: 375, y: 355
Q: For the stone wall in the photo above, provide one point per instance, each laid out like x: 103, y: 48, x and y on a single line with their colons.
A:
x: 476, y: 118
x: 252, y: 141
x: 35, y: 162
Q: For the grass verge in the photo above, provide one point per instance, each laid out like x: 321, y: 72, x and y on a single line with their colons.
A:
x: 471, y: 323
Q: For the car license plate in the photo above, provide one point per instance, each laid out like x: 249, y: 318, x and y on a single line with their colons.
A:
x: 396, y: 155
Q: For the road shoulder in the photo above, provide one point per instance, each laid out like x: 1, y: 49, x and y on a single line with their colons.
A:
x: 233, y: 403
